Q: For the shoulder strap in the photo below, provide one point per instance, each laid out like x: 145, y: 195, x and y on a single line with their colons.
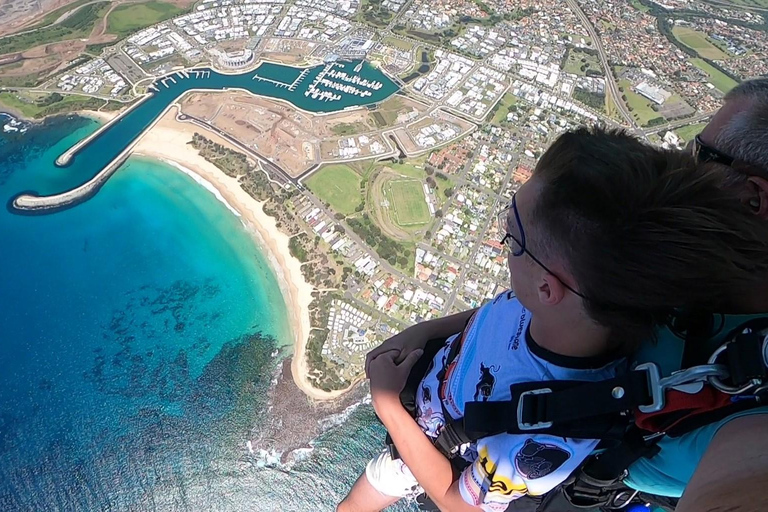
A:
x: 698, y: 327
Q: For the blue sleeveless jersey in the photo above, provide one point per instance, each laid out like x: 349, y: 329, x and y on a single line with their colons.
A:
x: 668, y: 473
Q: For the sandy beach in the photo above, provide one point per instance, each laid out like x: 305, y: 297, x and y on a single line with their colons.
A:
x: 98, y: 115
x: 167, y: 141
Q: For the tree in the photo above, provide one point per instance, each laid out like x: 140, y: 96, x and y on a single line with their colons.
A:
x: 448, y: 192
x: 439, y: 213
x: 338, y: 216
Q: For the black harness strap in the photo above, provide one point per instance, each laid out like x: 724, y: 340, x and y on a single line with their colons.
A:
x: 588, y: 410
x: 452, y: 435
x: 699, y: 328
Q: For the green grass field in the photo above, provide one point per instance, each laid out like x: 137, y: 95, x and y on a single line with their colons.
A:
x: 698, y: 42
x: 339, y: 186
x: 78, y: 25
x: 127, y: 19
x: 687, y: 133
x: 349, y: 128
x: 716, y: 77
x: 641, y: 107
x: 505, y: 103
x: 408, y: 202
x: 413, y: 168
x: 398, y: 43
x: 386, y: 113
x: 35, y: 109
x: 577, y: 60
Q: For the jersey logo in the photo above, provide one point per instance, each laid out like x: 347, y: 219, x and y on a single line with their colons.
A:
x: 485, y: 471
x: 537, y: 460
x: 514, y: 341
x: 427, y: 392
x: 487, y: 381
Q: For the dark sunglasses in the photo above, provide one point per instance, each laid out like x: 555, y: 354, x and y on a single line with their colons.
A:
x: 516, y: 245
x: 705, y: 154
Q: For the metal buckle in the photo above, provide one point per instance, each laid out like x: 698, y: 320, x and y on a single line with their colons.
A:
x: 654, y: 384
x: 531, y: 426
x: 717, y: 380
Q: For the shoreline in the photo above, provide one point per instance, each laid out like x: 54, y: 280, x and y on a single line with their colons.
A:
x: 97, y: 115
x: 169, y: 143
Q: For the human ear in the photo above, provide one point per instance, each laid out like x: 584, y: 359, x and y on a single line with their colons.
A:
x: 550, y: 290
x: 759, y: 201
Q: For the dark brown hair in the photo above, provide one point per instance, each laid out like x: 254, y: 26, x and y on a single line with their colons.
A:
x: 643, y: 231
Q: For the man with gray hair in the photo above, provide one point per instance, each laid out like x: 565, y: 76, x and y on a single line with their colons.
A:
x: 734, y: 468
x: 737, y: 137
x: 724, y: 465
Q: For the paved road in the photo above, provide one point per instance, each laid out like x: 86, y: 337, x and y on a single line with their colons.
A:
x: 678, y: 123
x: 609, y: 79
x: 270, y: 167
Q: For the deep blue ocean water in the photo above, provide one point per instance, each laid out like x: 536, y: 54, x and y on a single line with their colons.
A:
x: 136, y: 339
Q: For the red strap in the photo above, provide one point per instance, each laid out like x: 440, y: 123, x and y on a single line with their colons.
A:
x: 680, y: 406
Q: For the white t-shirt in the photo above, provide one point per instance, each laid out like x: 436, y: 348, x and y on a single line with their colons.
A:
x: 497, y: 352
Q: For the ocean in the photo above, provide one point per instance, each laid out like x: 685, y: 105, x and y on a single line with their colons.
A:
x: 139, y: 333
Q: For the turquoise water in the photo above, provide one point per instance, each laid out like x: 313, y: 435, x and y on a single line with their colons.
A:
x: 110, y: 143
x: 136, y: 340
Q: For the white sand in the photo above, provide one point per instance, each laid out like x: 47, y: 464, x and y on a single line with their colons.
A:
x: 167, y: 141
x: 104, y: 117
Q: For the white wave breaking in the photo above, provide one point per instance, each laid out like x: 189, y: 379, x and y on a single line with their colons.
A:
x: 205, y: 184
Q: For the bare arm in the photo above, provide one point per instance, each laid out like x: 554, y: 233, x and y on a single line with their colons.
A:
x: 733, y: 473
x: 430, y: 468
x: 417, y: 336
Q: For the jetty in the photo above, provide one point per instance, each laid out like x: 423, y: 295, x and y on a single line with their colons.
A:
x: 29, y: 202
x: 298, y: 80
x: 64, y: 159
x: 276, y: 83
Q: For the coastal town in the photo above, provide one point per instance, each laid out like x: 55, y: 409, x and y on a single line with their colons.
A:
x: 387, y: 204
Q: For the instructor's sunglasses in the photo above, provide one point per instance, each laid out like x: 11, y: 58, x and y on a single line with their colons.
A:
x: 705, y: 154
x: 516, y: 243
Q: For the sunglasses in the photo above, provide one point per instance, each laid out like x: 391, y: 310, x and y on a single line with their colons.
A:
x: 705, y: 154
x: 516, y: 244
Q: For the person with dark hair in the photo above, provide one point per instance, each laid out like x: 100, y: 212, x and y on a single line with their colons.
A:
x: 605, y: 241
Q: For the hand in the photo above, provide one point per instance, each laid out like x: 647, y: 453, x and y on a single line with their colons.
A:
x: 388, y: 377
x: 403, y: 343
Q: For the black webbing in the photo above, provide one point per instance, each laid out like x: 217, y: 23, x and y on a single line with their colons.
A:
x: 698, y: 327
x: 589, y: 410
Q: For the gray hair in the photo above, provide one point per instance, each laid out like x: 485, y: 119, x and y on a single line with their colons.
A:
x: 745, y: 136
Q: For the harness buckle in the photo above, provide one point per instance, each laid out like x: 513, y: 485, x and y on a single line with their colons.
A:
x: 654, y: 387
x: 531, y: 426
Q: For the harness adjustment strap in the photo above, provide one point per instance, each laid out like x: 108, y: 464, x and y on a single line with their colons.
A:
x: 579, y: 409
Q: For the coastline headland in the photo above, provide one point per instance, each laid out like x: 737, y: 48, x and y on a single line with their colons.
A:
x: 310, y: 91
